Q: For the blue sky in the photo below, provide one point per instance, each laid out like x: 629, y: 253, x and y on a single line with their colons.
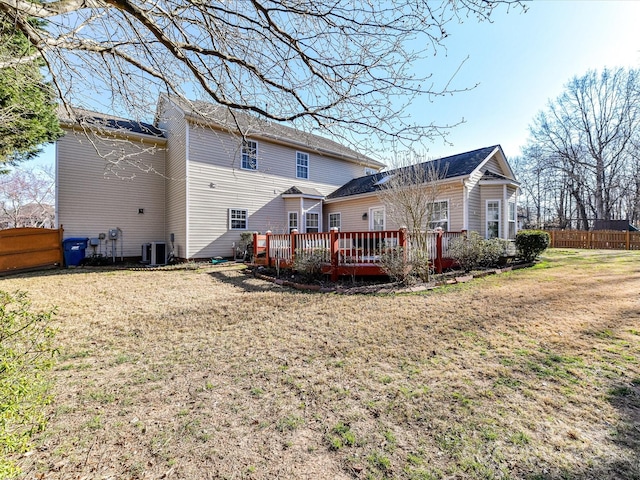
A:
x: 519, y: 61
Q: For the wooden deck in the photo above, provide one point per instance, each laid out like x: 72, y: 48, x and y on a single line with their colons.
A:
x: 347, y: 253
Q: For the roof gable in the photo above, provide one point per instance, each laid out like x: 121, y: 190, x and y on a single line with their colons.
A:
x: 454, y: 166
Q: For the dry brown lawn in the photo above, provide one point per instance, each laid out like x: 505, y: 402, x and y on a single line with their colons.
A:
x: 209, y: 373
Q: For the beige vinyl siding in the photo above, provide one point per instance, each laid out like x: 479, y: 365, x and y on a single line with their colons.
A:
x: 214, y: 158
x: 90, y: 200
x: 493, y: 166
x: 491, y: 192
x: 174, y: 124
x: 352, y: 209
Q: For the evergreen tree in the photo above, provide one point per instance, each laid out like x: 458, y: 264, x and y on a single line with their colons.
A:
x: 27, y: 107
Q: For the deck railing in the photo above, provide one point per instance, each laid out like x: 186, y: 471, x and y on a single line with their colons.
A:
x: 348, y: 252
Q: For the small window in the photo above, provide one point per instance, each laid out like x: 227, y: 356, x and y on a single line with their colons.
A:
x: 370, y: 171
x: 493, y: 219
x: 293, y: 221
x: 312, y: 220
x: 249, y: 155
x: 439, y: 216
x: 334, y: 221
x: 302, y: 165
x: 237, y: 219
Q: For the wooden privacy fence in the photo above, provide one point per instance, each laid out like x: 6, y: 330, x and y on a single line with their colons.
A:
x: 24, y: 248
x: 347, y: 253
x: 605, y: 239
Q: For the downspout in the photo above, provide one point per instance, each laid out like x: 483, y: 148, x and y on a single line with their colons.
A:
x: 303, y: 220
x: 465, y: 206
x: 186, y: 188
x: 56, y: 213
x: 505, y: 209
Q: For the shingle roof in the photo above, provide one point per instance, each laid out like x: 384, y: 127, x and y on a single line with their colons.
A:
x: 454, y: 166
x: 99, y: 121
x: 253, y: 126
x: 302, y: 191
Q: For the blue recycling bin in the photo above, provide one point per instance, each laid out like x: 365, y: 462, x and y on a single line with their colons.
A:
x: 74, y: 250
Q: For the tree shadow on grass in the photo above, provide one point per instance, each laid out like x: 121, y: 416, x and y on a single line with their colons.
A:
x: 246, y: 281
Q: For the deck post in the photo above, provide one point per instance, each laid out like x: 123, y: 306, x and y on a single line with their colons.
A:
x: 255, y: 246
x: 439, y: 251
x: 292, y: 244
x: 266, y: 242
x: 334, y: 251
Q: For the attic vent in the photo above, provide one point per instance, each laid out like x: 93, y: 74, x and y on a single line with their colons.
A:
x: 385, y: 179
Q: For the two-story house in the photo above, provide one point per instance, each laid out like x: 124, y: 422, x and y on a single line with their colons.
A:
x: 193, y: 175
x: 202, y: 176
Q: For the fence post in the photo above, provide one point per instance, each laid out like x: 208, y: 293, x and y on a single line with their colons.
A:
x: 335, y: 252
x: 292, y: 245
x: 439, y: 251
x: 268, y: 246
x: 61, y: 250
x: 628, y: 240
x: 589, y: 235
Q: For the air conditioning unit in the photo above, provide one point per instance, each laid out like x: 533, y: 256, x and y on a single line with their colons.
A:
x: 154, y: 253
x: 158, y: 253
x: 146, y: 253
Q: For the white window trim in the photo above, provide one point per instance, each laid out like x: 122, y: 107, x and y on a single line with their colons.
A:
x: 297, y: 227
x: 246, y: 218
x: 446, y: 200
x: 306, y: 216
x: 511, y: 220
x: 308, y: 166
x: 339, y: 220
x: 384, y: 217
x: 486, y: 217
x: 242, y: 156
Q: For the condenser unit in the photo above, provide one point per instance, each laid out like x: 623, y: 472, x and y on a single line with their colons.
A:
x: 154, y: 253
x: 158, y: 253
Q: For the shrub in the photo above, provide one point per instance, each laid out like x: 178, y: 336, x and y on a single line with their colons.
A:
x: 309, y: 261
x: 394, y: 263
x: 492, y: 250
x: 26, y: 353
x: 467, y: 250
x: 531, y: 243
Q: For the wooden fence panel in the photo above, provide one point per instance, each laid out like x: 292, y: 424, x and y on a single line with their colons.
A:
x: 25, y: 248
x: 596, y: 239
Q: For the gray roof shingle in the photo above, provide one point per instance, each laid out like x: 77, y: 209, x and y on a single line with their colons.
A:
x: 100, y: 121
x: 454, y: 166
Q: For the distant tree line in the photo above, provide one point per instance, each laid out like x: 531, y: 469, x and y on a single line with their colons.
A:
x: 581, y: 162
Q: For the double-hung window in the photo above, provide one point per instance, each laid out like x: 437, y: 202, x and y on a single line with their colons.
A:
x: 293, y: 221
x: 312, y: 222
x: 302, y: 165
x: 439, y: 216
x: 249, y: 155
x: 493, y: 218
x: 238, y: 219
x: 512, y: 220
x: 335, y: 221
